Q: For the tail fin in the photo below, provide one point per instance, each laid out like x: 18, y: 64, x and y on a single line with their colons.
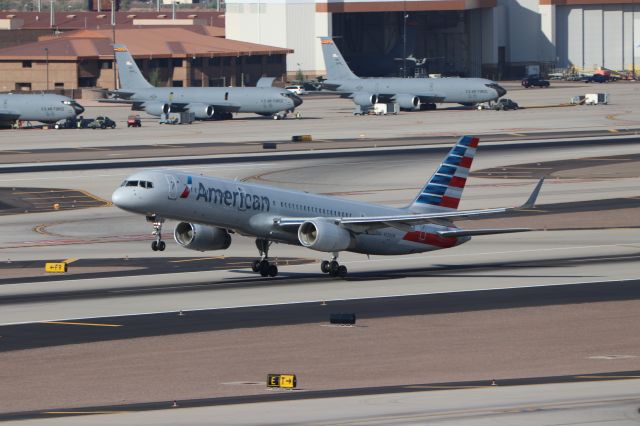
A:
x: 128, y: 72
x: 337, y: 68
x: 444, y: 190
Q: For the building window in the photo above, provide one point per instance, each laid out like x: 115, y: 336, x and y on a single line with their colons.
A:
x: 58, y: 85
x: 196, y: 83
x: 197, y: 62
x: 26, y: 64
x: 216, y: 82
x: 106, y: 65
x: 254, y: 59
x: 23, y: 86
x: 177, y: 83
x: 226, y: 60
x: 177, y: 63
x: 86, y: 82
x: 214, y: 61
x: 275, y: 59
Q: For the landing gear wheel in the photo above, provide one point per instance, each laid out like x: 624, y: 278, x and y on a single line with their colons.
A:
x: 342, y: 271
x: 272, y: 270
x: 154, y: 246
x: 161, y: 245
x: 255, y: 266
x: 324, y: 266
x: 333, y: 267
x: 158, y: 244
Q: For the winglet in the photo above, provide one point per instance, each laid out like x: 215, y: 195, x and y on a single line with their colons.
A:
x: 530, y: 203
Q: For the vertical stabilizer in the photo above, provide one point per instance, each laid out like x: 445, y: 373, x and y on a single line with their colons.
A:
x: 128, y: 71
x: 444, y: 190
x: 337, y: 68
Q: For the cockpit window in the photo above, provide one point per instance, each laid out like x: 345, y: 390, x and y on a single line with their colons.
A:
x: 140, y: 183
x: 132, y: 183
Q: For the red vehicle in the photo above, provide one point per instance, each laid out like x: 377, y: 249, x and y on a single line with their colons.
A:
x: 134, y: 121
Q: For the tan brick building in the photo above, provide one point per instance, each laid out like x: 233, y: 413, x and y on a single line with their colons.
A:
x: 181, y: 56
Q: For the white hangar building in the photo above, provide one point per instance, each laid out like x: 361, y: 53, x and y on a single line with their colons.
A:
x: 492, y: 38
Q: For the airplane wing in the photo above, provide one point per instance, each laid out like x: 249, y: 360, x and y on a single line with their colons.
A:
x: 404, y: 222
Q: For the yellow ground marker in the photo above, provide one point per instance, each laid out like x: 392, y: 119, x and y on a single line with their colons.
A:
x: 90, y: 324
x: 197, y: 259
x: 70, y: 260
x: 614, y: 130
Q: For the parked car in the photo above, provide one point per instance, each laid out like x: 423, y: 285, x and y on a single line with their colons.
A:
x: 83, y: 123
x: 505, y: 104
x: 296, y: 90
x: 66, y: 123
x: 102, y: 122
x: 596, y: 78
x: 134, y: 121
x: 536, y: 81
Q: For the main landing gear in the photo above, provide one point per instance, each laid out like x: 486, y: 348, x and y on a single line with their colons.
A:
x: 333, y: 268
x: 158, y: 244
x: 262, y: 265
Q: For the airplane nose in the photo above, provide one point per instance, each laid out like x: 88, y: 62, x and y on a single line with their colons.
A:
x: 297, y: 101
x: 117, y: 198
x: 123, y: 199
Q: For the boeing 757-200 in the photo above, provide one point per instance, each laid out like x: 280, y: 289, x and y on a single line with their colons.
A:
x: 211, y: 209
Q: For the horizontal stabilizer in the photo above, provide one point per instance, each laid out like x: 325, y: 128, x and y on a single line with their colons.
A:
x: 476, y: 232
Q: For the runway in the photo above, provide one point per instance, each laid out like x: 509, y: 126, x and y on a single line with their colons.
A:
x: 558, y: 302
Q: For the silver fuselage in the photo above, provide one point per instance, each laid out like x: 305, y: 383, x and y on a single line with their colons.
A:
x: 250, y: 210
x: 43, y: 107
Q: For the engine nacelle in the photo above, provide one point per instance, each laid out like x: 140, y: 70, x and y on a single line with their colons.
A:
x: 198, y: 237
x: 324, y: 235
x: 364, y: 99
x: 408, y: 101
x: 202, y: 111
x: 156, y: 108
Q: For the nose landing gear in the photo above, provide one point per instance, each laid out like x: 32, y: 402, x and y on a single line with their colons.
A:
x: 262, y: 265
x: 158, y: 244
x: 333, y: 268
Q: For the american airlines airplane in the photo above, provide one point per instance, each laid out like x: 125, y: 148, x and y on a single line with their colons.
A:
x: 211, y: 209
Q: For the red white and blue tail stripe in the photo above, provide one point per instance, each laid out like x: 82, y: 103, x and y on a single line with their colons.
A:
x: 444, y: 190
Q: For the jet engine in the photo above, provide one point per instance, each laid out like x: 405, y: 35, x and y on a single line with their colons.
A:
x: 156, y: 108
x: 408, y: 101
x: 324, y: 235
x: 364, y: 99
x: 202, y: 111
x: 198, y: 237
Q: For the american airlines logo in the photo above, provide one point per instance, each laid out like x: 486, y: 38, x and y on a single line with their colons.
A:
x: 237, y: 199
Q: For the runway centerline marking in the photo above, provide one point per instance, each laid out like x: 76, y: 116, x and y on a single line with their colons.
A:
x: 89, y: 324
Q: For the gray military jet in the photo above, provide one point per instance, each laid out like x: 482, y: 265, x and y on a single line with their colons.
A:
x: 205, y: 102
x: 43, y: 107
x: 409, y: 93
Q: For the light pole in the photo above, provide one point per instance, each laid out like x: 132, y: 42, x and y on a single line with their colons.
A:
x: 405, y: 15
x: 46, y: 61
x: 113, y: 29
x: 173, y: 14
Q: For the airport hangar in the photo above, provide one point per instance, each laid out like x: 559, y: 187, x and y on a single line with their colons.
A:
x: 180, y: 55
x: 497, y: 39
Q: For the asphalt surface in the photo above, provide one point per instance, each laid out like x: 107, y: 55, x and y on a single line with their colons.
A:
x: 309, y: 153
x: 48, y: 334
x: 296, y: 395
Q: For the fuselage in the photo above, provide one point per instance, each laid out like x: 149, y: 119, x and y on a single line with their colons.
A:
x: 446, y: 90
x: 43, y: 107
x: 259, y: 100
x: 251, y: 210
